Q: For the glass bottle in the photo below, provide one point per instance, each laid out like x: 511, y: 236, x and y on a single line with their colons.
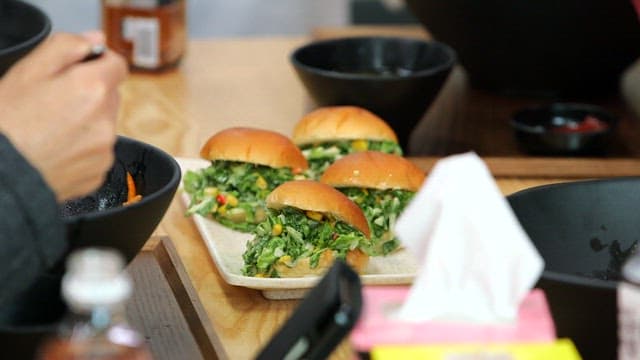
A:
x: 150, y: 34
x: 96, y: 289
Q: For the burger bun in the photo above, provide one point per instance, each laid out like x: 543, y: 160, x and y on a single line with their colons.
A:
x: 315, y: 196
x: 256, y: 146
x: 334, y: 123
x: 374, y: 170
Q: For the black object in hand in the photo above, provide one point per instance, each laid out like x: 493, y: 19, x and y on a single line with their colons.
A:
x: 324, y: 317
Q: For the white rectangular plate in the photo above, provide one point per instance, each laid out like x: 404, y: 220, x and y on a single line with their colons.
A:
x: 226, y: 247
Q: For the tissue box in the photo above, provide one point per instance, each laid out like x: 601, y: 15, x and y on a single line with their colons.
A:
x: 376, y: 327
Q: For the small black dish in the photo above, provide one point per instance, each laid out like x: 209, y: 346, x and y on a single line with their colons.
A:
x: 394, y: 77
x: 22, y: 27
x: 564, y: 129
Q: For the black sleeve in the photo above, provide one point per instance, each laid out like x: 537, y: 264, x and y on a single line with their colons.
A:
x: 32, y: 234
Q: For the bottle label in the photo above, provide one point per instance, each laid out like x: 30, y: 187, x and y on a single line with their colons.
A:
x: 144, y: 34
x: 628, y: 321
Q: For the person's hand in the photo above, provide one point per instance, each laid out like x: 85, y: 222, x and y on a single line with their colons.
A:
x: 60, y: 112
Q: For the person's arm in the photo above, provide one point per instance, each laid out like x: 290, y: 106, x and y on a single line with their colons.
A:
x: 57, y: 126
x: 31, y: 232
x: 60, y: 112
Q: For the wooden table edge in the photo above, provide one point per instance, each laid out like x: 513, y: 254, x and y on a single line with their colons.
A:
x: 165, y: 253
x: 548, y: 167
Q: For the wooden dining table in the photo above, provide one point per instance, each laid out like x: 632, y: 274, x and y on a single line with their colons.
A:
x: 249, y: 81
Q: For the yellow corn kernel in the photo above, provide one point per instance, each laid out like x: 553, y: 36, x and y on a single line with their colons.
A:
x: 222, y: 210
x: 211, y: 191
x: 314, y: 215
x: 260, y: 275
x: 276, y: 230
x: 285, y: 259
x: 261, y: 183
x: 360, y: 145
x: 231, y: 200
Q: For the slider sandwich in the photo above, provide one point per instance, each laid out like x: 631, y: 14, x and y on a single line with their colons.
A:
x: 308, y: 227
x: 382, y: 185
x: 328, y: 133
x: 246, y: 164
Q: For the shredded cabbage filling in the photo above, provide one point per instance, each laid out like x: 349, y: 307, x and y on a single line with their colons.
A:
x: 381, y: 208
x: 290, y: 234
x: 320, y: 156
x: 233, y: 193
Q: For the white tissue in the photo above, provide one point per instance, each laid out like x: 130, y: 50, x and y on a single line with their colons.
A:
x: 476, y: 263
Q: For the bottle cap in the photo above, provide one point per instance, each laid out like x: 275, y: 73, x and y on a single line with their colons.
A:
x: 95, y: 277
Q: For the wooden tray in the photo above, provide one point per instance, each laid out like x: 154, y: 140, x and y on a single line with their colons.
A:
x: 464, y: 119
x: 165, y: 307
x: 549, y: 167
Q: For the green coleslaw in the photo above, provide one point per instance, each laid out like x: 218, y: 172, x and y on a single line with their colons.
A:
x: 233, y: 193
x: 290, y: 234
x: 320, y: 156
x: 381, y: 208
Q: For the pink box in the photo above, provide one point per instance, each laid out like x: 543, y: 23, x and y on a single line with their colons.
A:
x: 534, y: 324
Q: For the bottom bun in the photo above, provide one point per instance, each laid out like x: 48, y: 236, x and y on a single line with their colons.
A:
x: 357, y: 259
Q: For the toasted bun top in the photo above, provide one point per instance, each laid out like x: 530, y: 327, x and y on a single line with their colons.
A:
x: 318, y: 197
x: 374, y: 169
x: 341, y: 123
x: 255, y: 146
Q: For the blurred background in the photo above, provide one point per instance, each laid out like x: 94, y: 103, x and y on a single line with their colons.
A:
x: 224, y: 18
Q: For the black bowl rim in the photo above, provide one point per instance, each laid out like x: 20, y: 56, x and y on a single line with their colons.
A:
x: 32, y: 41
x: 556, y: 276
x: 171, y: 184
x: 601, y: 113
x: 445, y: 66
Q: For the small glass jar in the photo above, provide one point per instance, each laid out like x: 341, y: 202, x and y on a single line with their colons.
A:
x: 95, y: 288
x: 150, y: 34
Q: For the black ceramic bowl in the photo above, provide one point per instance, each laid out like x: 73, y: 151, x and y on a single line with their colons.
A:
x: 22, y: 27
x: 100, y: 219
x: 396, y: 78
x: 545, y: 47
x: 96, y: 220
x: 564, y: 129
x: 584, y: 231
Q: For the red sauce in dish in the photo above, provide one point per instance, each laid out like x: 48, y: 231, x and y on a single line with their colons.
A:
x: 590, y: 123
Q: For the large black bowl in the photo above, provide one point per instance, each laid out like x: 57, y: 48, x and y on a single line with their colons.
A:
x: 95, y: 220
x: 100, y: 219
x: 584, y: 231
x: 545, y: 47
x: 22, y: 27
x: 396, y: 78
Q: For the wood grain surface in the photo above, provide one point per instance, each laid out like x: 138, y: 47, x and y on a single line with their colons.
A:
x: 165, y: 307
x: 249, y: 81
